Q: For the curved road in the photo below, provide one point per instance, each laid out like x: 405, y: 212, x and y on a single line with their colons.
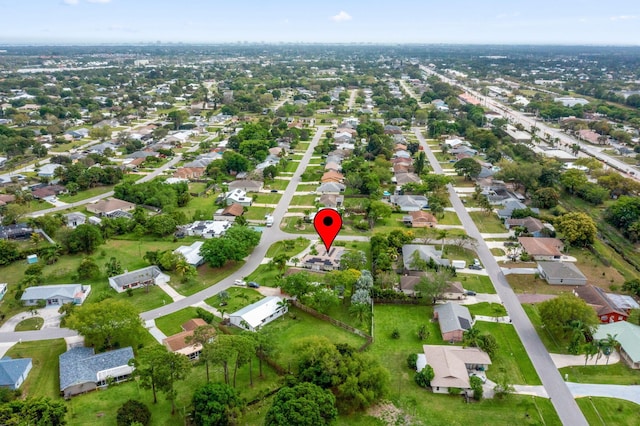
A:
x: 556, y: 388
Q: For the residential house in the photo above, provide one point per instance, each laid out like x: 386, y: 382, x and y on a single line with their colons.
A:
x: 561, y: 273
x: 511, y: 205
x: 109, y: 206
x: 82, y: 371
x: 404, y: 178
x: 6, y: 199
x: 532, y: 225
x: 542, y: 248
x: 424, y: 252
x: 590, y: 136
x: 229, y: 213
x: 420, y: 219
x: 189, y: 172
x: 74, y: 219
x: 627, y: 335
x: 622, y: 302
x: 48, y: 170
x: 452, y: 366
x: 207, y: 228
x: 45, y: 191
x: 331, y: 188
x: 178, y: 342
x: 323, y: 261
x: 191, y: 253
x: 517, y: 135
x: 392, y: 130
x: 271, y: 160
x: 151, y: 275
x: 606, y: 310
x: 13, y: 372
x: 331, y: 200
x: 56, y: 295
x: 238, y: 196
x: 332, y: 176
x: 246, y: 185
x: 332, y: 165
x: 409, y: 203
x: 19, y: 231
x: 454, y: 320
x: 453, y: 291
x: 257, y: 314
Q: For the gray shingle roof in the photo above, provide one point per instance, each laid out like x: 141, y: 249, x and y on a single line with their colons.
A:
x: 12, y: 369
x: 141, y: 275
x: 452, y: 316
x: 80, y: 365
x: 51, y: 291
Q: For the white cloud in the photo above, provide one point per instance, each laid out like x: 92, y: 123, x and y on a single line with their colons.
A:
x: 99, y: 1
x: 623, y: 17
x: 70, y: 2
x: 342, y: 16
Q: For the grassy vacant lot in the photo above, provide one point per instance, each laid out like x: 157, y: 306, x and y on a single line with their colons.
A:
x: 172, y: 323
x: 280, y: 247
x: 83, y: 195
x: 238, y: 298
x: 550, y: 342
x: 609, y: 411
x: 597, y: 273
x: 487, y: 309
x: 532, y: 284
x: 488, y: 223
x: 277, y: 184
x: 612, y: 374
x: 511, y: 357
x: 258, y: 213
x: 449, y: 218
x: 265, y: 275
x: 458, y: 253
x: 304, y: 200
x: 297, y: 325
x: 270, y: 198
x: 477, y: 283
x: 419, y: 403
x: 29, y: 324
x: 43, y: 378
x: 291, y: 166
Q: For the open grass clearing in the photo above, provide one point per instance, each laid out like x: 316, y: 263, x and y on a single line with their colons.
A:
x: 270, y: 198
x: 288, y: 247
x: 266, y: 275
x: 449, y: 218
x: 304, y: 200
x: 487, y: 309
x: 83, y: 195
x: 279, y: 184
x: 532, y: 284
x: 609, y: 411
x: 291, y: 166
x: 552, y: 344
x: 488, y: 223
x: 172, y: 323
x: 239, y: 297
x: 497, y: 251
x: 477, y: 283
x: 43, y: 379
x: 452, y: 252
x: 257, y: 213
x: 612, y: 374
x: 29, y: 324
x: 595, y: 270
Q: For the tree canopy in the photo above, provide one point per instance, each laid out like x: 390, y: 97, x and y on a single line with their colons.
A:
x: 578, y: 228
x: 235, y: 245
x: 304, y: 404
x: 216, y: 404
x: 556, y: 314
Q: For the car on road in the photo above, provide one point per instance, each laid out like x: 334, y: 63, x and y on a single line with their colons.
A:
x: 240, y: 283
x: 253, y: 284
x: 470, y: 292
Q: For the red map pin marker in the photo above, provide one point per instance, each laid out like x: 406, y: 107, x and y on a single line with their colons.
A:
x: 327, y: 223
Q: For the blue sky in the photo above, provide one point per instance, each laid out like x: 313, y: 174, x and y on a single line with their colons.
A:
x: 375, y: 21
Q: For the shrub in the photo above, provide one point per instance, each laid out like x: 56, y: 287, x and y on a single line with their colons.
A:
x: 476, y: 387
x: 133, y: 411
x: 395, y: 334
x: 454, y: 391
x: 423, y: 377
x: 205, y: 315
x: 412, y: 359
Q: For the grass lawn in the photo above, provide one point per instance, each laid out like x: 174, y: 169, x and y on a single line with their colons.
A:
x: 488, y: 224
x: 265, y: 275
x: 83, y: 195
x: 511, y: 357
x: 597, y: 273
x: 239, y: 297
x: 487, y: 309
x: 207, y: 276
x: 449, y: 218
x: 306, y: 187
x: 552, y: 344
x: 289, y: 224
x: 205, y: 204
x: 197, y: 187
x: 458, y: 253
x: 477, y: 283
x: 612, y: 374
x: 277, y: 184
x: 34, y: 323
x: 282, y: 247
x: 171, y: 324
x: 289, y: 330
x: 43, y: 378
x: 257, y: 213
x: 497, y: 251
x: 530, y: 284
x: 303, y: 200
x: 291, y: 166
x: 144, y: 301
x: 609, y: 411
x: 270, y: 198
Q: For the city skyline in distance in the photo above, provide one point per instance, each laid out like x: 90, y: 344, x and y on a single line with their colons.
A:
x: 283, y: 21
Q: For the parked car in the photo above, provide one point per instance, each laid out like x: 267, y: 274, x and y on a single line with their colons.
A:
x: 254, y: 284
x: 274, y: 190
x: 476, y: 267
x: 470, y: 292
x: 240, y: 283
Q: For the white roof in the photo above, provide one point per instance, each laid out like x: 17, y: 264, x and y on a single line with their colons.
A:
x: 191, y: 253
x: 256, y: 312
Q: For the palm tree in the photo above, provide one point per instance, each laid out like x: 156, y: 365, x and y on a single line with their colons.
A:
x: 442, y: 234
x: 609, y: 344
x: 471, y: 337
x: 590, y: 350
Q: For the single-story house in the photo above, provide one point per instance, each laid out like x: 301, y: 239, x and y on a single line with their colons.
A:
x: 56, y: 295
x: 331, y: 200
x: 178, y: 342
x: 323, y: 261
x: 420, y: 219
x: 257, y: 314
x: 510, y: 205
x: 622, y: 302
x: 108, y: 206
x: 409, y: 203
x: 233, y: 210
x: 331, y: 188
x: 425, y: 252
x: 246, y: 185
x: 18, y: 231
x: 48, y: 170
x: 74, y: 219
x: 45, y: 191
x: 606, y: 310
x: 332, y: 176
x: 192, y: 253
x: 151, y: 275
x: 404, y: 178
x: 542, y: 248
x: 454, y: 290
x: 454, y: 320
x: 189, y: 172
x: 628, y: 335
x: 81, y: 370
x: 452, y: 366
x: 207, y: 228
x: 561, y: 273
x: 238, y: 196
x: 531, y: 224
x: 6, y: 199
x: 13, y: 372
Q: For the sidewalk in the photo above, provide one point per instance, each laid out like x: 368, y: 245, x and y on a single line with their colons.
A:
x: 155, y: 331
x: 502, y: 320
x: 171, y: 292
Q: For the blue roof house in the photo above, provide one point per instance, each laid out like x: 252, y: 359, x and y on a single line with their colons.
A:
x: 13, y: 372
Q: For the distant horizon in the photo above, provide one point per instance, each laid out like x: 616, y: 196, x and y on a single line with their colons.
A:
x: 491, y: 22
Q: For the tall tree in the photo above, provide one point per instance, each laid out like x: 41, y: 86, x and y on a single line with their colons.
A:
x: 304, y: 404
x: 216, y: 404
x: 201, y: 336
x: 557, y: 313
x: 578, y: 228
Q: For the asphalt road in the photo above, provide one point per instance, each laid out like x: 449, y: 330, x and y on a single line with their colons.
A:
x: 559, y: 393
x: 528, y: 122
x: 45, y: 334
x: 269, y: 236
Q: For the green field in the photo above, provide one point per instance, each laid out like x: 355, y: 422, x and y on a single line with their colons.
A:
x: 239, y: 297
x: 29, y: 324
x: 477, y: 283
x: 280, y: 247
x: 550, y: 342
x: 487, y: 309
x: 609, y: 411
x: 43, y: 378
x: 612, y: 374
x: 488, y: 223
x: 172, y: 323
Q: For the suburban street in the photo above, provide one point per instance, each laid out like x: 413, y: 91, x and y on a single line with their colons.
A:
x: 528, y: 122
x: 556, y: 388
